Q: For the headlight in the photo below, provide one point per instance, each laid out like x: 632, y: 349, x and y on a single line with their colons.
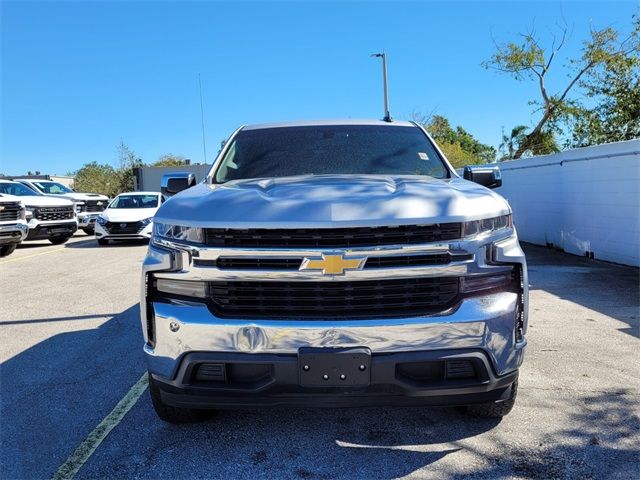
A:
x: 21, y: 212
x: 146, y: 221
x: 29, y: 212
x: 178, y: 232
x: 101, y: 220
x: 487, y: 225
x: 79, y: 207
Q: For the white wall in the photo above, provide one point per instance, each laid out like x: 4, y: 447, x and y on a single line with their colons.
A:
x: 582, y: 200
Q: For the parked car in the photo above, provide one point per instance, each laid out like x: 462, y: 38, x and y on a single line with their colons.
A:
x: 48, y: 218
x: 338, y: 263
x: 88, y: 205
x: 128, y: 216
x: 13, y: 226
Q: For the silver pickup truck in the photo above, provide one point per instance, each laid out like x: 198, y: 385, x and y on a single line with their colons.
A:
x: 335, y: 263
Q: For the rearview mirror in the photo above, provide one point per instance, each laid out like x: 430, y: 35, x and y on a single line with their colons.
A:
x: 173, y: 183
x: 489, y: 177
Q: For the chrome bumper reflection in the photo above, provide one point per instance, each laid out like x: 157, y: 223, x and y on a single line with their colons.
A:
x: 483, y: 322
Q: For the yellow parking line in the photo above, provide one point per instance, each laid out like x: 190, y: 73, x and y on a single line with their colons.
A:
x: 74, y: 463
x: 30, y: 256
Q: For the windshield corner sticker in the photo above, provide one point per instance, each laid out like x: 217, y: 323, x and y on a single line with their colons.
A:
x: 423, y: 156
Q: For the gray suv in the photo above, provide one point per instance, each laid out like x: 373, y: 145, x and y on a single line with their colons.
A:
x: 334, y: 263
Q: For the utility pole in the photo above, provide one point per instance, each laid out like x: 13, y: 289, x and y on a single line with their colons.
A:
x: 387, y: 115
x: 204, y: 143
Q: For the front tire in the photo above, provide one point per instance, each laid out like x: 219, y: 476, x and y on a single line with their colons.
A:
x: 171, y: 414
x: 103, y: 241
x: 59, y: 240
x: 88, y: 231
x: 6, y: 250
x: 494, y: 409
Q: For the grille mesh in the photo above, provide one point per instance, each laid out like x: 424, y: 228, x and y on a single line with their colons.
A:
x: 123, y: 228
x: 54, y: 213
x: 369, y: 299
x: 332, y: 237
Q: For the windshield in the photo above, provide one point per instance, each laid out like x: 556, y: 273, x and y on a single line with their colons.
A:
x: 135, y: 201
x: 330, y: 149
x: 53, y: 188
x: 17, y: 189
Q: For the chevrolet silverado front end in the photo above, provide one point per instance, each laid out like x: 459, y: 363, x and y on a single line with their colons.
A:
x: 333, y: 264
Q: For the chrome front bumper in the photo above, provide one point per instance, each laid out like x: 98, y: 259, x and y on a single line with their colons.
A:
x: 483, y: 323
x: 13, y: 233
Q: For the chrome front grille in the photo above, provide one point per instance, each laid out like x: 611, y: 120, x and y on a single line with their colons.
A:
x: 54, y: 213
x: 332, y: 237
x: 9, y: 211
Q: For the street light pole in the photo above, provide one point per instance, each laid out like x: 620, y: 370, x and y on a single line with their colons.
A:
x: 387, y: 115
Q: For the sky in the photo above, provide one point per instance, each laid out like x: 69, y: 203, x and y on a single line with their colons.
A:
x: 80, y: 77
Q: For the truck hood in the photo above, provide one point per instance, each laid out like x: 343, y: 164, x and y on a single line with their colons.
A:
x: 128, y: 214
x: 331, y: 201
x: 44, y: 201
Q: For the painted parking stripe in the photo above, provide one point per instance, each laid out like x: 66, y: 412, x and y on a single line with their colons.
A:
x: 30, y: 256
x: 74, y: 463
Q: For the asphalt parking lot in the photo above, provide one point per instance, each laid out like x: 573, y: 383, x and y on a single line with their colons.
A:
x: 71, y: 350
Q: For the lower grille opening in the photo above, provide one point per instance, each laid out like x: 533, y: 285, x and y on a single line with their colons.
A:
x: 460, y: 369
x: 440, y: 371
x: 421, y: 372
x: 210, y: 372
x: 230, y: 374
x: 124, y: 228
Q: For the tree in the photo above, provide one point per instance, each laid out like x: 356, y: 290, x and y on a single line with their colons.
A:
x: 510, y: 144
x: 128, y: 161
x: 96, y: 178
x: 541, y: 144
x: 171, y: 160
x: 613, y: 89
x: 528, y: 60
x: 460, y: 147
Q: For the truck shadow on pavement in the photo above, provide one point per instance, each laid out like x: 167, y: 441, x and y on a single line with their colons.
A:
x: 55, y: 392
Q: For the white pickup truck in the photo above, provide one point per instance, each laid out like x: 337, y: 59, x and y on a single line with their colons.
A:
x: 88, y: 206
x: 48, y: 218
x: 13, y: 226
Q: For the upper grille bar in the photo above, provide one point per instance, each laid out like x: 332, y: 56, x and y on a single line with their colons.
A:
x: 391, y: 261
x: 332, y: 237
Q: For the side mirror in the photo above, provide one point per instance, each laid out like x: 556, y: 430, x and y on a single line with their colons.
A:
x: 489, y: 177
x: 173, y: 183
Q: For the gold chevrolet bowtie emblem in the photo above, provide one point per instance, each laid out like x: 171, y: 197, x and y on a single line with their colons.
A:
x: 333, y: 264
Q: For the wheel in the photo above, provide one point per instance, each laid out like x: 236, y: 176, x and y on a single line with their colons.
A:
x: 103, y: 241
x: 494, y: 409
x: 171, y: 414
x: 6, y: 250
x: 58, y: 240
x: 88, y: 231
